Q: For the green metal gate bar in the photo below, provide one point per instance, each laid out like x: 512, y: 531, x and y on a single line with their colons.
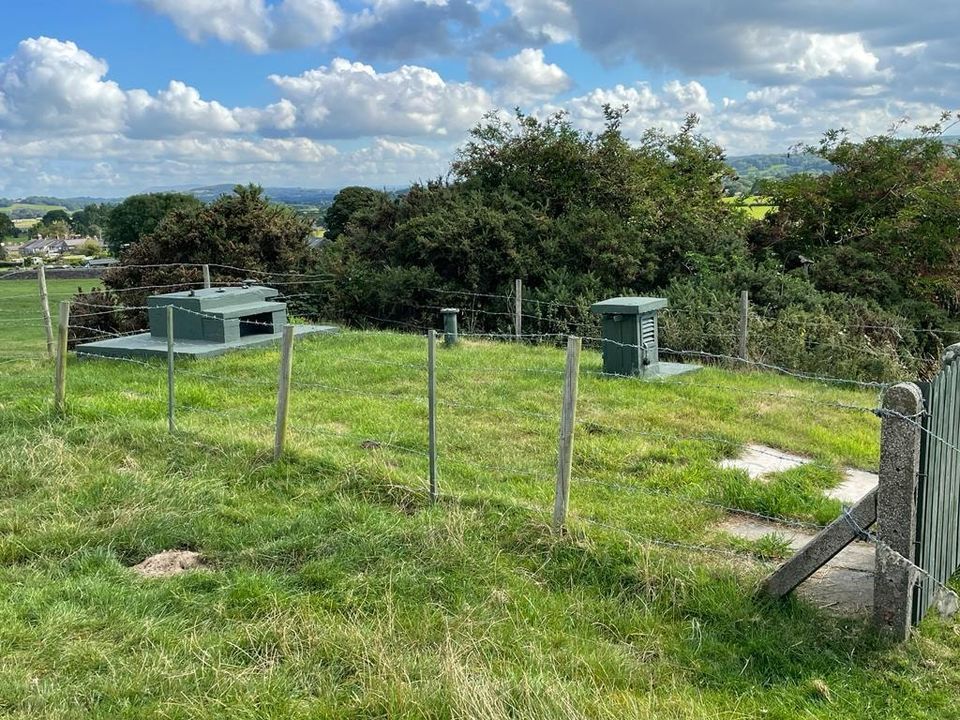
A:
x: 938, y: 491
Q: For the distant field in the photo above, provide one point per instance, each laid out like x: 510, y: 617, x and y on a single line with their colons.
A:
x: 755, y: 206
x: 10, y: 209
x: 23, y: 223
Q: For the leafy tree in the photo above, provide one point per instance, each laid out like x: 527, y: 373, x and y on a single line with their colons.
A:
x: 55, y: 229
x: 54, y: 216
x: 7, y: 227
x: 347, y: 203
x: 243, y: 234
x: 139, y: 215
x: 576, y: 214
x: 91, y: 220
x: 882, y: 227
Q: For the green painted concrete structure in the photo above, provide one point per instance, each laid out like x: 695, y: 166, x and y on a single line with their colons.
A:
x: 206, y: 322
x: 630, y: 338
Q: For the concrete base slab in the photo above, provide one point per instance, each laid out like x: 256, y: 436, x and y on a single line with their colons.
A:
x: 856, y: 484
x: 760, y: 461
x: 843, y: 586
x: 145, y: 345
x: 670, y: 369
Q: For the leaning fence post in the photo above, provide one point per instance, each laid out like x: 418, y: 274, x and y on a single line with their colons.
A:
x: 45, y: 308
x: 744, y: 323
x: 432, y: 409
x: 206, y: 276
x: 568, y: 418
x: 895, y: 573
x: 171, y: 424
x: 518, y: 309
x: 60, y: 375
x: 283, y: 390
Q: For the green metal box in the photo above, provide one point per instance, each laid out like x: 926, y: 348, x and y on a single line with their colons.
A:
x: 205, y: 323
x: 630, y: 334
x: 222, y: 315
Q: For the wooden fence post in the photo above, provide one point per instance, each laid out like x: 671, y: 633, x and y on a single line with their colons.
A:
x: 896, y: 510
x: 744, y: 323
x: 432, y: 409
x: 171, y: 424
x: 283, y: 390
x: 518, y: 309
x: 45, y: 309
x: 568, y: 419
x: 60, y: 374
x: 206, y: 276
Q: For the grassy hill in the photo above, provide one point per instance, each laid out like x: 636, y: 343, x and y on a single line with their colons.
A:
x: 334, y: 588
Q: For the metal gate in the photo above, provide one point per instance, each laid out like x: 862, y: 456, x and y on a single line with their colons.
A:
x: 938, y: 489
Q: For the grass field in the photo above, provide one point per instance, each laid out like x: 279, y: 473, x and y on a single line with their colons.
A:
x: 38, y: 209
x: 755, y: 206
x: 30, y: 206
x: 333, y: 588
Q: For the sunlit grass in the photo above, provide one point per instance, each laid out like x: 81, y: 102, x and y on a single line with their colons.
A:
x: 335, y: 588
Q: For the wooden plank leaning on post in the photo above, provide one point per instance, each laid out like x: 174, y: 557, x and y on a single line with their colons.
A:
x: 432, y: 409
x: 283, y: 390
x: 895, y: 573
x: 171, y: 424
x: 568, y: 419
x: 518, y: 309
x: 60, y: 373
x: 45, y: 309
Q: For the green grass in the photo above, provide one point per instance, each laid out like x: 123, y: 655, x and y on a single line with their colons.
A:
x: 755, y: 206
x: 335, y: 588
x: 30, y: 206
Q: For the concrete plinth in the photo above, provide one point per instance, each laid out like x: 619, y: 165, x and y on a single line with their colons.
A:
x: 146, y: 345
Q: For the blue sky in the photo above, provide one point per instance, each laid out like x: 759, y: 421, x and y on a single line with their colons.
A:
x: 109, y: 97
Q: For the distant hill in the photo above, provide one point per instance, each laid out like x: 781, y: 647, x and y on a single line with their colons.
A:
x: 751, y: 168
x: 772, y: 166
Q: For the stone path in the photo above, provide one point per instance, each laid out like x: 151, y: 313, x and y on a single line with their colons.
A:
x: 845, y: 584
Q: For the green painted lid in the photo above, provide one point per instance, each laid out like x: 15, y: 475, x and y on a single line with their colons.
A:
x: 628, y: 305
x: 213, y: 298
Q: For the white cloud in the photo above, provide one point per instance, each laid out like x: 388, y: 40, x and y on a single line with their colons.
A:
x: 55, y: 87
x: 254, y: 24
x: 523, y: 77
x: 348, y: 100
x: 551, y: 19
x: 800, y: 56
x: 49, y: 87
x: 178, y: 110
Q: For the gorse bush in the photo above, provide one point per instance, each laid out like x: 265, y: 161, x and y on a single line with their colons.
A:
x: 850, y: 275
x: 854, y: 273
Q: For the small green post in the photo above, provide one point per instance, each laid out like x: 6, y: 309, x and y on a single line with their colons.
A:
x: 450, y: 325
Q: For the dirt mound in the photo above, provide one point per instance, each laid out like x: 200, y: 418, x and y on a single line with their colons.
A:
x: 169, y: 562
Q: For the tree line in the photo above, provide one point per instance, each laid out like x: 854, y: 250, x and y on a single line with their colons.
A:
x: 854, y: 271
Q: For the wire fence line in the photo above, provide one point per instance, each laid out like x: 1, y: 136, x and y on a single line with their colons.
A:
x: 505, y: 472
x: 716, y: 343
x: 190, y: 371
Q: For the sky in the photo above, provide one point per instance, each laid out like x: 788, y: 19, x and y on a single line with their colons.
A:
x: 112, y: 97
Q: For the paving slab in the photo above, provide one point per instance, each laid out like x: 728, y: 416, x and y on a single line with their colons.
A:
x: 760, y: 461
x: 856, y: 484
x: 844, y: 586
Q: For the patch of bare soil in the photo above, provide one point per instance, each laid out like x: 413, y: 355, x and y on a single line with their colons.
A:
x: 169, y: 562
